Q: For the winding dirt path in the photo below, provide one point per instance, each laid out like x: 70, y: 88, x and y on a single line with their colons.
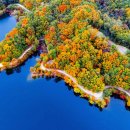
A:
x: 21, y: 6
x: 26, y: 51
x: 24, y: 8
x: 123, y: 50
x: 120, y: 89
x: 98, y: 96
x: 23, y: 54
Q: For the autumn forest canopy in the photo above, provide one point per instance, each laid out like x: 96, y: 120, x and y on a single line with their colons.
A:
x: 77, y: 34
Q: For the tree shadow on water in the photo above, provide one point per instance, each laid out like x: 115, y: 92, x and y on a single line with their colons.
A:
x: 127, y: 108
x: 4, y: 16
x: 18, y: 68
x: 69, y: 87
x: 57, y: 79
x: 48, y: 78
x: 11, y: 71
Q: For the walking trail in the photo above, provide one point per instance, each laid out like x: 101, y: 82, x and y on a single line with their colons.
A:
x: 21, y: 6
x: 99, y: 95
x: 96, y: 95
x: 23, y: 54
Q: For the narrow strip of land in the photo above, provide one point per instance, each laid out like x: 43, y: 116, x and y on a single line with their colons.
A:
x: 119, y: 88
x: 25, y: 52
x: 24, y: 8
x: 22, y: 55
x: 28, y: 49
x: 21, y: 6
x: 123, y: 50
x: 96, y: 95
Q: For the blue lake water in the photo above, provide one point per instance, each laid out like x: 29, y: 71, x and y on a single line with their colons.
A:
x: 6, y: 24
x: 44, y: 104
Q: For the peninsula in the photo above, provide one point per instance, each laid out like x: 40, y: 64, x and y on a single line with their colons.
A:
x: 84, y: 42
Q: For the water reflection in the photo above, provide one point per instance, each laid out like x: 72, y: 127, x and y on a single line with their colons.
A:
x: 57, y: 79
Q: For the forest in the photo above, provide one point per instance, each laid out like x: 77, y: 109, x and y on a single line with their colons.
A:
x: 71, y: 30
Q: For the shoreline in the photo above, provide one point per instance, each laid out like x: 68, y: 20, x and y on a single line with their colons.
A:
x: 25, y: 54
x: 9, y: 12
x: 89, y: 94
x: 18, y: 61
x: 2, y: 13
x: 123, y: 50
x: 95, y: 97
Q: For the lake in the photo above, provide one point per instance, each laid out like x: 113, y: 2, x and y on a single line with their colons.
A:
x: 48, y: 104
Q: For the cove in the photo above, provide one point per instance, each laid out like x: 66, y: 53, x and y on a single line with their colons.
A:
x: 6, y: 24
x: 48, y: 104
